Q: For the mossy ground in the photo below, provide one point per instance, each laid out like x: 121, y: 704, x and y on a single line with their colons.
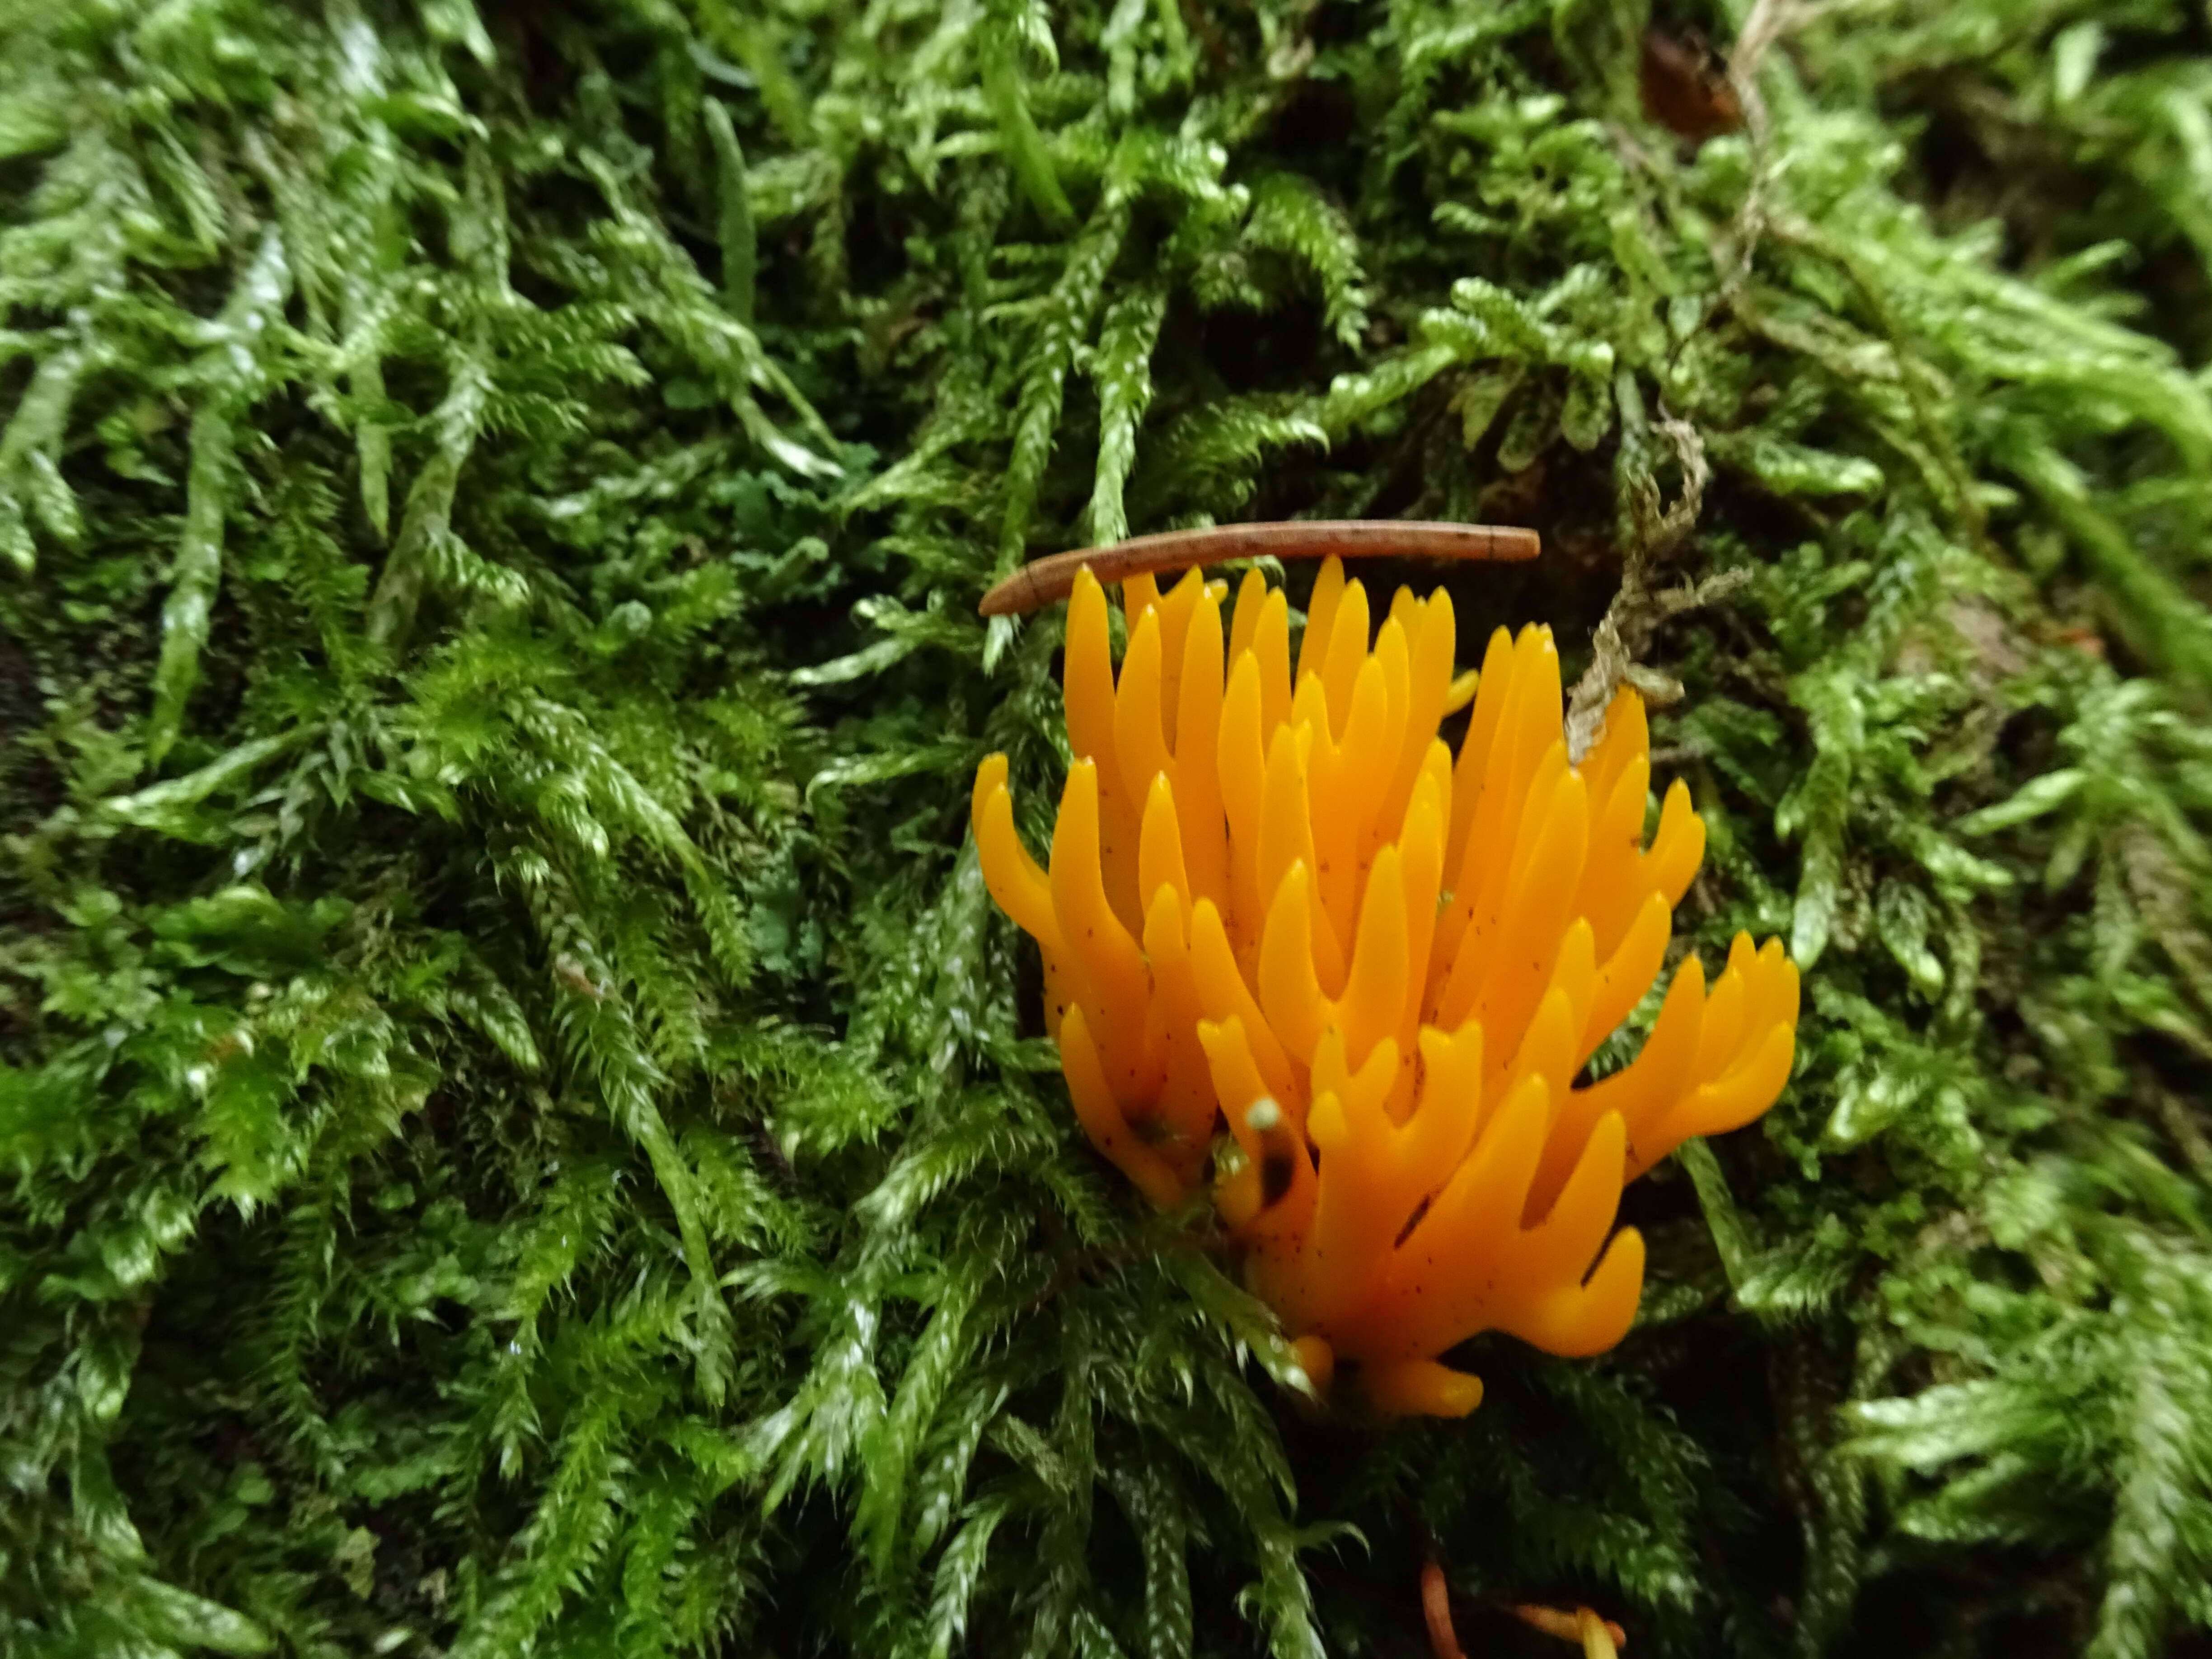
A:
x: 523, y: 1132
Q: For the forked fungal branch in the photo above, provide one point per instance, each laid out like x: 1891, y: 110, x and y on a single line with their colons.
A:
x: 1277, y: 905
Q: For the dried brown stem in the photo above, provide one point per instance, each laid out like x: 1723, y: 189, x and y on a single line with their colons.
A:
x: 1041, y: 581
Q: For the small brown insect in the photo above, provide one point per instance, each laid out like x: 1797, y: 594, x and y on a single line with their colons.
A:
x: 1686, y: 89
x: 1040, y: 582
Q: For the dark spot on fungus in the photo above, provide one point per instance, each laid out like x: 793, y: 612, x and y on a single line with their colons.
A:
x: 1411, y: 1222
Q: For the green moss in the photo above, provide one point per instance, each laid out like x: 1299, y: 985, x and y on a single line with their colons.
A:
x: 522, y: 1130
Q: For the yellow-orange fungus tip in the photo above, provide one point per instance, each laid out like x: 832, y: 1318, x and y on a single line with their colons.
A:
x: 1423, y: 1388
x: 1276, y: 904
x: 1582, y: 1625
x: 1317, y: 1359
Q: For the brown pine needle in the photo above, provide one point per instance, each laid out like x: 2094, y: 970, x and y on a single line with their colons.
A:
x: 1041, y: 581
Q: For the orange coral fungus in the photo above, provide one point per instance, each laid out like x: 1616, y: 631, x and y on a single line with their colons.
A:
x: 1275, y: 898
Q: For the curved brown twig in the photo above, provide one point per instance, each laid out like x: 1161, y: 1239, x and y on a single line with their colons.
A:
x: 1041, y: 581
